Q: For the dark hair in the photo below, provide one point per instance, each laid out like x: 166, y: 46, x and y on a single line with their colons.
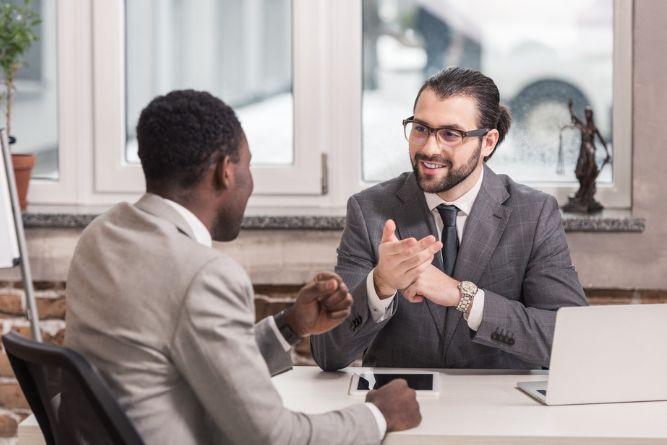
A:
x: 466, y: 82
x: 179, y: 132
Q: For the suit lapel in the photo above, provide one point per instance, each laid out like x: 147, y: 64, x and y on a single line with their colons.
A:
x: 483, y: 229
x: 415, y: 220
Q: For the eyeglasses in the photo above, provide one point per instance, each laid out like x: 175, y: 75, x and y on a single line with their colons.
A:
x: 417, y: 133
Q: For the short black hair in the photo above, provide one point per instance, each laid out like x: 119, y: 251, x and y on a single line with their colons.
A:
x: 472, y: 83
x: 179, y: 132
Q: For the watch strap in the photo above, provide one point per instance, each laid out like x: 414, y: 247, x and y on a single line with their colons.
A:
x: 467, y: 296
x: 290, y: 336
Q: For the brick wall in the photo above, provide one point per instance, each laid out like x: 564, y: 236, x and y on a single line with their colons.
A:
x: 50, y: 299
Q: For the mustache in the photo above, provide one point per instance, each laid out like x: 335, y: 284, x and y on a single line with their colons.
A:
x: 435, y: 159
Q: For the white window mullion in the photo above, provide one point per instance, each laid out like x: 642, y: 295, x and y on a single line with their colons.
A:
x: 304, y: 176
x: 345, y: 92
x: 112, y: 172
x: 72, y: 19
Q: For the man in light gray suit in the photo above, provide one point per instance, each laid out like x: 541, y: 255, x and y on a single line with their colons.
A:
x: 452, y: 265
x: 169, y: 321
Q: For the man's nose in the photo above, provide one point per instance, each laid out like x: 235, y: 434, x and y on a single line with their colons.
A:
x: 431, y: 146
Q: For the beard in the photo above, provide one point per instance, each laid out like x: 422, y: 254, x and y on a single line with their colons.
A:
x: 227, y: 223
x: 224, y: 229
x: 453, y: 177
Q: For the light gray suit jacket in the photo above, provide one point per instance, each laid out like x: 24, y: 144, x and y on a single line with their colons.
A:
x: 513, y: 247
x: 169, y: 323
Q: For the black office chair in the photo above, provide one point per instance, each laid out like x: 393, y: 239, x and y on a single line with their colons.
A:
x: 68, y: 397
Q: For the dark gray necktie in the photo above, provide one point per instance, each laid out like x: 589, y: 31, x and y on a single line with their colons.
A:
x: 450, y: 239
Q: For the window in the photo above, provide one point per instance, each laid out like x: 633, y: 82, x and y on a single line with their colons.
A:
x: 239, y: 51
x: 247, y: 52
x: 551, y: 52
x: 35, y: 106
x: 321, y: 87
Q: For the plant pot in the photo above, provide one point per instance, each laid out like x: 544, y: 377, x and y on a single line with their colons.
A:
x: 23, y: 164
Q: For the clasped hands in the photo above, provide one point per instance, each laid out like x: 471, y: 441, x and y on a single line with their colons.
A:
x: 405, y: 265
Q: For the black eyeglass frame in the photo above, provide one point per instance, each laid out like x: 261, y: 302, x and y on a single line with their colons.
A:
x: 464, y: 134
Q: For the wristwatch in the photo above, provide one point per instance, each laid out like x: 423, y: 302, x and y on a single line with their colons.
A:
x: 468, y: 291
x: 290, y: 336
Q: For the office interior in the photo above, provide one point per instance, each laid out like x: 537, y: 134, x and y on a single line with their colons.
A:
x: 320, y: 88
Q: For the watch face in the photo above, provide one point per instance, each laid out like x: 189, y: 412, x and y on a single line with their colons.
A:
x: 468, y: 287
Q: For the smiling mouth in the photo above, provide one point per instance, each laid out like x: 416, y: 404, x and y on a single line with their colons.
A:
x: 432, y: 165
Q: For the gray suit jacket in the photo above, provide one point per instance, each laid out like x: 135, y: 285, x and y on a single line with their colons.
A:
x: 513, y: 247
x: 169, y: 323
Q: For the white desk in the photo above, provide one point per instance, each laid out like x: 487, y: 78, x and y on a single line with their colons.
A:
x: 483, y: 407
x: 474, y: 407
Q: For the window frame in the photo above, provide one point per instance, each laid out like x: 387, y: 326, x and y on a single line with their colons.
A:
x: 327, y: 85
x: 73, y: 80
x: 618, y: 194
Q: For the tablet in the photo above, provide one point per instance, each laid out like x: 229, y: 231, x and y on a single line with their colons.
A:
x: 426, y: 383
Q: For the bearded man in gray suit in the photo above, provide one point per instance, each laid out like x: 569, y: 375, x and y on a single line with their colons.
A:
x: 452, y: 265
x: 169, y: 321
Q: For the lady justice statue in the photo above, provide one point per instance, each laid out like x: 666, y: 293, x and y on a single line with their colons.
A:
x: 587, y: 170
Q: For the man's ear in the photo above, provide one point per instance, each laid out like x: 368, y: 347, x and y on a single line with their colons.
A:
x: 489, y: 143
x: 223, y: 177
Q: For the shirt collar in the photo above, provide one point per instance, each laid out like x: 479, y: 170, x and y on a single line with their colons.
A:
x: 201, y: 233
x: 463, y: 203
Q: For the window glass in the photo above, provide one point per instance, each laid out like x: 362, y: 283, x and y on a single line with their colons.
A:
x: 238, y: 50
x: 34, y: 119
x: 539, y: 53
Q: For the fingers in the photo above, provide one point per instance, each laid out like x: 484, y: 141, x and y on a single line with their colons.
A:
x: 427, y: 243
x: 416, y: 271
x: 414, y: 298
x: 338, y: 301
x: 422, y: 256
x: 410, y: 246
x: 399, y: 383
x: 323, y: 276
x: 398, y: 247
x: 337, y: 315
x: 412, y: 295
x: 389, y: 231
x: 316, y: 289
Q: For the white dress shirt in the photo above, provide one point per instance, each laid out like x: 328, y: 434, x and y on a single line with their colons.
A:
x: 380, y: 308
x: 203, y: 236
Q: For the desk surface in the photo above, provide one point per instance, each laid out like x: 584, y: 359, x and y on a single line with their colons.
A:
x: 484, y: 407
x: 474, y: 407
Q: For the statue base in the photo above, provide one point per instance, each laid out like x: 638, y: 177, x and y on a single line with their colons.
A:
x: 576, y: 205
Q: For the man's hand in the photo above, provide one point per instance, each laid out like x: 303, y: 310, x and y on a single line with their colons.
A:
x: 401, y: 262
x: 398, y: 404
x: 320, y: 306
x: 435, y: 285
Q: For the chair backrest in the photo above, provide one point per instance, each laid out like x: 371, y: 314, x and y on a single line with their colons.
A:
x: 68, y: 397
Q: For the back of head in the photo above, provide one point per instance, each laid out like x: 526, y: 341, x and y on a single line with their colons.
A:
x: 467, y: 82
x: 179, y: 132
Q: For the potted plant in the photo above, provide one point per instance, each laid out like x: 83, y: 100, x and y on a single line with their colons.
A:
x: 17, y: 34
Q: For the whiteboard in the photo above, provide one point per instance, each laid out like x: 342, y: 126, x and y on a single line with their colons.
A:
x: 9, y: 247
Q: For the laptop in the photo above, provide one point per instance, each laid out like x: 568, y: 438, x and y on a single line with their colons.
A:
x: 606, y: 354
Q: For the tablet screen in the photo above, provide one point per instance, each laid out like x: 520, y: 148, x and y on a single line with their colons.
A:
x: 418, y: 382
